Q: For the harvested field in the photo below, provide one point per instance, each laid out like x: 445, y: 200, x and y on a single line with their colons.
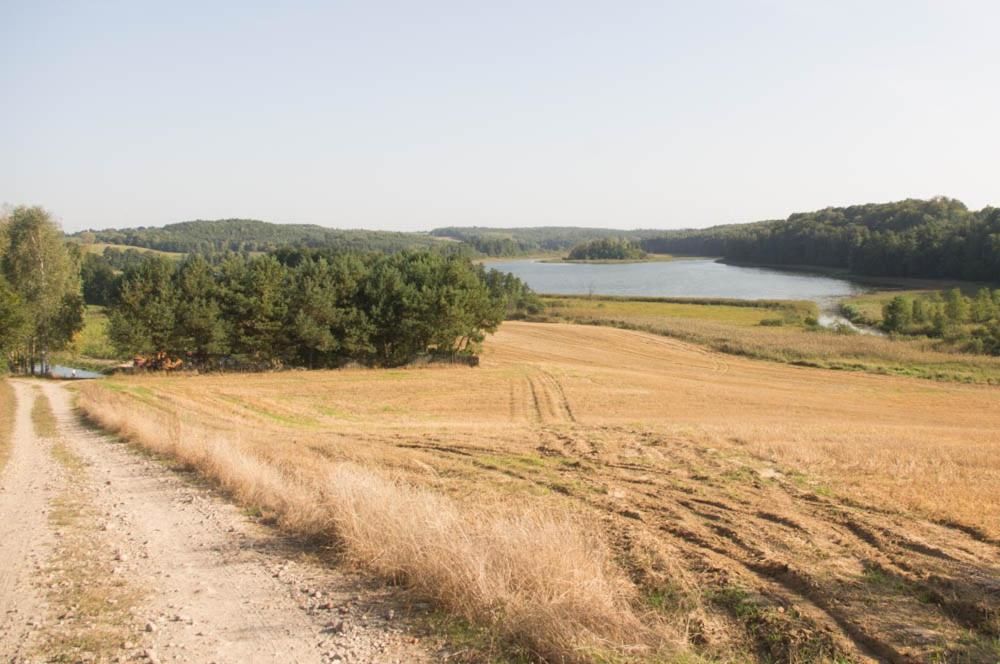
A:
x: 755, y: 509
x: 743, y: 330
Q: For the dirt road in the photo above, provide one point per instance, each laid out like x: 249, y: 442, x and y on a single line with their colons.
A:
x: 110, y: 555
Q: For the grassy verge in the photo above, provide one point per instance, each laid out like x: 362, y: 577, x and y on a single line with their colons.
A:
x: 775, y: 331
x: 91, y: 605
x: 535, y: 577
x: 42, y: 417
x: 7, y: 409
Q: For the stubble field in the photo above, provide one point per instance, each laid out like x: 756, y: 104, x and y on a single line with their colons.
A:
x: 596, y: 493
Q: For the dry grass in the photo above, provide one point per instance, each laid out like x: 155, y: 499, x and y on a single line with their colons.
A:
x: 532, y: 577
x: 762, y: 511
x: 7, y: 410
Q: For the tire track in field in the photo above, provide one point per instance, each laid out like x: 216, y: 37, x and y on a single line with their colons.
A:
x: 812, y: 575
x: 718, y: 360
x: 898, y: 587
x: 549, y: 398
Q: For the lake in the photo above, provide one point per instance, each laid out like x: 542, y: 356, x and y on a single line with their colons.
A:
x: 59, y: 371
x: 697, y: 277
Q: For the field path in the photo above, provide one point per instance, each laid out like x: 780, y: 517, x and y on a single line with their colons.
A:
x: 215, y: 585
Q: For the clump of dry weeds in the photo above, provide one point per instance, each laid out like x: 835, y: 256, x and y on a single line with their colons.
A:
x: 536, y: 578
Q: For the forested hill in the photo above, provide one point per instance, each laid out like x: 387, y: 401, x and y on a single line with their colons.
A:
x: 252, y: 235
x: 937, y: 238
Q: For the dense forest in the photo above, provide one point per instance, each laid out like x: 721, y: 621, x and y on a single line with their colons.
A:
x: 937, y: 238
x: 259, y: 236
x: 606, y: 249
x: 238, y: 235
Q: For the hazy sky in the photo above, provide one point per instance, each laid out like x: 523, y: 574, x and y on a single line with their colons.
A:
x: 411, y: 115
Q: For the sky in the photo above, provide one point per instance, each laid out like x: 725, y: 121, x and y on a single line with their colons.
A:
x: 416, y: 115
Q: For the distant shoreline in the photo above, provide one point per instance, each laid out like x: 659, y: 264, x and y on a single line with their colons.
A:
x: 651, y: 258
x: 886, y: 283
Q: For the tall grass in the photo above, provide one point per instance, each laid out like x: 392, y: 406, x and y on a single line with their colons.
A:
x: 535, y: 578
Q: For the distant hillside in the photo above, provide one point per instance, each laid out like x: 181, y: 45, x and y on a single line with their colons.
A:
x: 254, y: 235
x: 520, y: 241
x: 936, y: 238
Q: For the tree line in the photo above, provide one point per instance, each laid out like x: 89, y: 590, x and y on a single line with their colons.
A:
x: 521, y: 241
x: 221, y: 235
x: 607, y: 249
x: 970, y: 323
x: 936, y: 238
x: 321, y: 311
x: 293, y: 307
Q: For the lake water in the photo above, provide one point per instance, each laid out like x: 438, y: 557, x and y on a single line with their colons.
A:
x: 698, y: 277
x: 59, y: 371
